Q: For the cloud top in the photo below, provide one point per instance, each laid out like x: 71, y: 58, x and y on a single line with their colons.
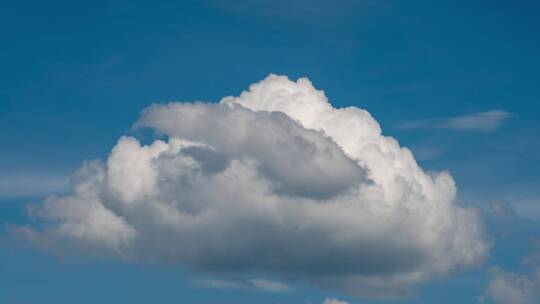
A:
x: 275, y: 181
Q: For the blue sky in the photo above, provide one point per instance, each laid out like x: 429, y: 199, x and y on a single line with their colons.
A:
x: 75, y: 77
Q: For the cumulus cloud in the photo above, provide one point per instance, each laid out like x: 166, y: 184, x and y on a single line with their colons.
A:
x: 276, y: 182
x: 483, y: 121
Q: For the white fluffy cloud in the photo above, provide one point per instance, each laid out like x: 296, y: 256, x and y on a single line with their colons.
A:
x: 275, y: 181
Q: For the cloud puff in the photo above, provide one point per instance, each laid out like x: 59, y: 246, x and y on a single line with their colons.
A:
x: 502, y: 210
x: 484, y: 121
x: 507, y: 287
x: 334, y: 301
x: 513, y: 288
x: 277, y: 182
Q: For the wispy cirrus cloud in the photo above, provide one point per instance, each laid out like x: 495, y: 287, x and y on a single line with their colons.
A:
x: 487, y: 121
x: 334, y: 301
x: 256, y: 283
x: 31, y: 184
